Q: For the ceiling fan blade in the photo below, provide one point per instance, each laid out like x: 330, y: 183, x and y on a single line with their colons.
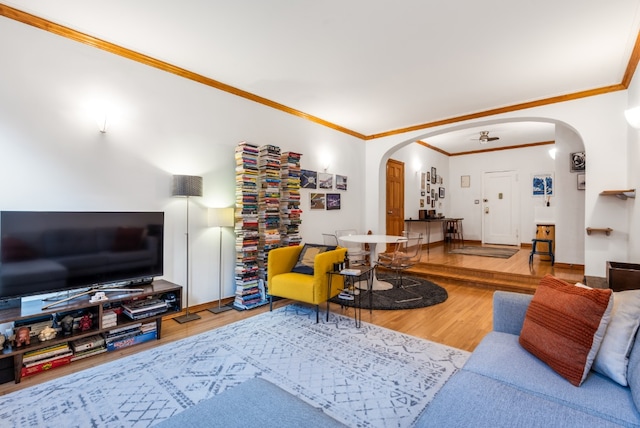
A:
x: 493, y: 138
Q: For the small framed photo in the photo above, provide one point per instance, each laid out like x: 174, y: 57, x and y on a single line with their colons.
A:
x: 421, y: 203
x: 333, y: 201
x: 341, y: 182
x: 578, y: 161
x: 308, y: 179
x: 441, y: 192
x: 316, y: 201
x: 428, y: 200
x: 422, y: 193
x: 325, y: 180
x: 465, y: 181
x: 434, y: 175
x: 582, y: 181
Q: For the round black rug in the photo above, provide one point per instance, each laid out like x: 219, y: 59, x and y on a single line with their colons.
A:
x: 415, y: 293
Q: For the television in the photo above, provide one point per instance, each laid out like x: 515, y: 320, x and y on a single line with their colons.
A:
x: 44, y: 252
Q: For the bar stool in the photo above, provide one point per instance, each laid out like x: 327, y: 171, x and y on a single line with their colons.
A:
x: 535, y: 250
x: 453, y: 230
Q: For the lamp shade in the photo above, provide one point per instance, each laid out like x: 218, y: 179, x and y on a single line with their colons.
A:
x: 221, y: 217
x: 187, y: 185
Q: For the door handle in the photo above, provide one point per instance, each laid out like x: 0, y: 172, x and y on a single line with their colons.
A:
x: 486, y: 210
x: 389, y: 212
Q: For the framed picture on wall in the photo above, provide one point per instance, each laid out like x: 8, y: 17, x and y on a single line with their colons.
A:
x: 542, y: 185
x: 316, y: 201
x: 423, y: 180
x: 465, y: 181
x: 325, y: 181
x: 434, y: 175
x: 333, y: 201
x: 308, y: 179
x: 441, y: 192
x: 341, y: 182
x: 577, y: 161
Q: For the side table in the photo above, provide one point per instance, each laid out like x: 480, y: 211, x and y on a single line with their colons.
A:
x: 351, y: 277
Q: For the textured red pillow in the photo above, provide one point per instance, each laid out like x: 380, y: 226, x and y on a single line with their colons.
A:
x: 564, y: 326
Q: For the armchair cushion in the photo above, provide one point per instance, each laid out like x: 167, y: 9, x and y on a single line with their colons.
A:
x: 307, y: 257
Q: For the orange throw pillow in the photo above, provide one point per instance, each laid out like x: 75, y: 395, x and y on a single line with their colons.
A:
x: 564, y: 326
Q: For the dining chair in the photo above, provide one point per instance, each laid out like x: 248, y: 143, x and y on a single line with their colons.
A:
x: 407, y: 253
x: 356, y: 253
x: 329, y: 239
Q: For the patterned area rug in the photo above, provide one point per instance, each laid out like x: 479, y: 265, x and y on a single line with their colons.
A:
x: 501, y: 253
x: 415, y: 292
x: 366, y: 377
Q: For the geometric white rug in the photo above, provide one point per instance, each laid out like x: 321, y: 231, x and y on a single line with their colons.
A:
x: 368, y: 376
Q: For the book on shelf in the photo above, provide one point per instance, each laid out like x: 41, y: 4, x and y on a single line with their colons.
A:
x: 28, y: 371
x: 67, y: 353
x: 132, y: 340
x: 89, y: 353
x: 49, y: 351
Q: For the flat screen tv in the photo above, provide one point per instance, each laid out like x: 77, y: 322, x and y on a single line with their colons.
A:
x: 43, y: 252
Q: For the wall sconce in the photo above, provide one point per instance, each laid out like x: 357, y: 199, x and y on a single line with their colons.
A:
x: 633, y: 116
x: 101, y: 120
x: 552, y: 153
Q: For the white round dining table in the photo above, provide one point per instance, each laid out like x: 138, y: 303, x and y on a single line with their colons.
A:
x: 373, y: 241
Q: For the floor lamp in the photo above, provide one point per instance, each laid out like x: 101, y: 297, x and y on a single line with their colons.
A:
x: 187, y: 185
x: 220, y: 217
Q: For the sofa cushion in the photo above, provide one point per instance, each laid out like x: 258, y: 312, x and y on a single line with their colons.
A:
x: 633, y: 372
x: 613, y: 357
x: 498, y: 356
x: 564, y: 326
x: 472, y: 400
x: 307, y: 256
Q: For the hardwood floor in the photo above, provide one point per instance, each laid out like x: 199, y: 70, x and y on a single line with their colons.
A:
x: 461, y: 321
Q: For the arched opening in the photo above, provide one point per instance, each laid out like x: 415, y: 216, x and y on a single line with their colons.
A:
x: 566, y: 205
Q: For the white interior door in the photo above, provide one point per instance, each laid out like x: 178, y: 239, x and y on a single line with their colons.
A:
x: 500, y: 198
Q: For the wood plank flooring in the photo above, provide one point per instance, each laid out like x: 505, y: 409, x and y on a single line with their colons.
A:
x: 461, y: 321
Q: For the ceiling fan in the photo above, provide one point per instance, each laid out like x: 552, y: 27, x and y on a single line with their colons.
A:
x: 484, y: 137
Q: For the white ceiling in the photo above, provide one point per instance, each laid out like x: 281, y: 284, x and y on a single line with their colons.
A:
x: 373, y: 66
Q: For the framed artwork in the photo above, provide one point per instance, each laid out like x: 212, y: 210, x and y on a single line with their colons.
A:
x: 465, y: 181
x: 333, y: 201
x: 441, y: 192
x: 428, y: 188
x: 423, y: 180
x: 578, y: 161
x: 433, y: 203
x: 428, y: 176
x: 316, y: 201
x: 433, y: 193
x: 582, y: 181
x: 422, y: 193
x: 308, y: 179
x: 325, y: 181
x: 434, y: 175
x: 341, y: 182
x: 542, y: 185
x: 428, y: 200
x: 421, y: 203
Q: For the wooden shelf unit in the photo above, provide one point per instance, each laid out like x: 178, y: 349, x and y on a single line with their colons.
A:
x: 33, y: 309
x: 622, y: 194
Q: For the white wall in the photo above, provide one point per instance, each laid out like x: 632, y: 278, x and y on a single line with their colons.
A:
x: 633, y: 160
x: 54, y: 158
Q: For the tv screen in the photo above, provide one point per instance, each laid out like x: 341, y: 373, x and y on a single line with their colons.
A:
x: 43, y: 252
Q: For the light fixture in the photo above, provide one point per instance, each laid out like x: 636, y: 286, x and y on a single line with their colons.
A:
x: 220, y: 217
x: 633, y: 116
x: 187, y: 185
x: 102, y: 123
x: 552, y: 153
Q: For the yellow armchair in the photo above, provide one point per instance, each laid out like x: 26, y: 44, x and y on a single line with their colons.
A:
x: 313, y: 289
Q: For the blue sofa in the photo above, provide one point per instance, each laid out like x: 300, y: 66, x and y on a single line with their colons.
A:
x: 503, y: 385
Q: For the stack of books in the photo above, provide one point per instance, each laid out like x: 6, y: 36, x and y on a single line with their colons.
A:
x: 46, y: 358
x: 268, y: 204
x: 132, y: 334
x: 144, y: 308
x: 290, y: 199
x: 109, y: 319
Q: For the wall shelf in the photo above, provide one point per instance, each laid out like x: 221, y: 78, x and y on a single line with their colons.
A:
x: 606, y: 230
x: 622, y: 194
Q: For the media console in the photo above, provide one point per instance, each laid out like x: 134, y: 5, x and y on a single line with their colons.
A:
x: 126, y: 318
